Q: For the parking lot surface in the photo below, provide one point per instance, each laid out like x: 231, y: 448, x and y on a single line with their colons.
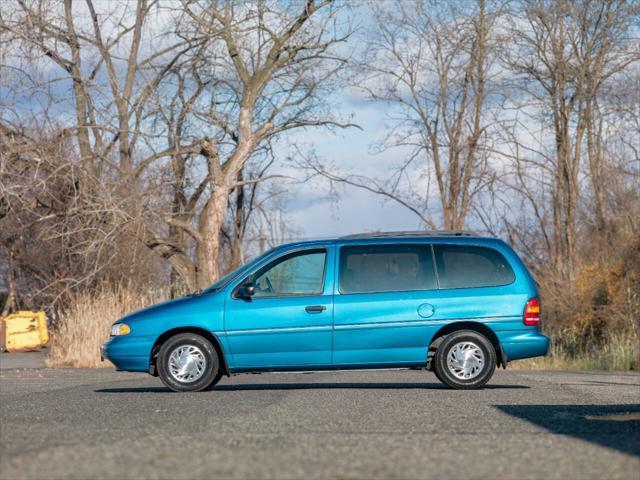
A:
x: 75, y: 423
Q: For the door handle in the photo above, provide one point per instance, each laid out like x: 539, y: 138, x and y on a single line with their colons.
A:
x: 315, y: 308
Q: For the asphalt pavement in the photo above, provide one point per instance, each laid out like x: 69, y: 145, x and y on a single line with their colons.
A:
x: 12, y: 361
x: 76, y: 423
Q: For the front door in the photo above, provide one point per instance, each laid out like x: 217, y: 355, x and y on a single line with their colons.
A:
x: 287, y: 323
x: 385, y: 305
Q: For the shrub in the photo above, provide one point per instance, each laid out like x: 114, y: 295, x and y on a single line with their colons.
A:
x: 594, y: 321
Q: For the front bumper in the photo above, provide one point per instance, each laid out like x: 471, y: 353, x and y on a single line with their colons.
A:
x: 130, y: 354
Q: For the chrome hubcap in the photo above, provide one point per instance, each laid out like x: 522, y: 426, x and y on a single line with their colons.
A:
x: 187, y: 363
x: 465, y: 360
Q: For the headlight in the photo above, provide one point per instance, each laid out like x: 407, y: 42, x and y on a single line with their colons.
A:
x: 120, y: 329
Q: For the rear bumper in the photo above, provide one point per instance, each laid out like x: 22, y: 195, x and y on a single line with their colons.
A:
x: 518, y: 344
x: 131, y: 354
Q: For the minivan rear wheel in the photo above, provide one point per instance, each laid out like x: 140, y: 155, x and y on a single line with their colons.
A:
x: 465, y: 360
x: 187, y: 362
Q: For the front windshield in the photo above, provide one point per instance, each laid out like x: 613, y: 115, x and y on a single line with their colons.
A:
x: 237, y: 272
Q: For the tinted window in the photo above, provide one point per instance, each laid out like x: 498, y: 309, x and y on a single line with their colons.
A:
x: 386, y: 268
x: 462, y: 266
x: 297, y: 274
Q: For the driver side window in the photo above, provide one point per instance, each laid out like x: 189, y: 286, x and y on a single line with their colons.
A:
x: 301, y: 273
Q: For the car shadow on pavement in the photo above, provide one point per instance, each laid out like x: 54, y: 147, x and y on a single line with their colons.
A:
x: 590, y: 383
x: 612, y: 426
x: 307, y: 386
x: 348, y: 385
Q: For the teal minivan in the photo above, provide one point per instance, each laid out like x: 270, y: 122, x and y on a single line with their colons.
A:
x: 450, y: 302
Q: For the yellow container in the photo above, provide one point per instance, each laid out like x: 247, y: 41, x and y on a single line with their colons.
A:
x: 24, y: 331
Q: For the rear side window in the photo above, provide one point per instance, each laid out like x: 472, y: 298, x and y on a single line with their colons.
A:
x: 386, y: 268
x: 461, y: 266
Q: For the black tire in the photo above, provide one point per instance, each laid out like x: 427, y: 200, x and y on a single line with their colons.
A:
x: 435, y: 372
x: 215, y: 381
x: 433, y: 367
x: 211, y: 370
x: 447, y: 377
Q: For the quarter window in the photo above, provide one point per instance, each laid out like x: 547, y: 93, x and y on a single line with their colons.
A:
x: 461, y: 266
x: 386, y: 268
x: 301, y: 273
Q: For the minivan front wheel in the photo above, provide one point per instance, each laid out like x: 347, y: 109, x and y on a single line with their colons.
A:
x: 465, y: 360
x: 187, y: 362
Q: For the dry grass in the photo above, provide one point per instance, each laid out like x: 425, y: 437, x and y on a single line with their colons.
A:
x: 619, y: 352
x: 85, y: 324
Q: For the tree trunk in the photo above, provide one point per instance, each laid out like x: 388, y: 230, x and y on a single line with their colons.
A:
x: 210, y: 224
x: 596, y: 160
x: 81, y: 99
x: 176, y: 281
x: 238, y: 227
x: 11, y: 288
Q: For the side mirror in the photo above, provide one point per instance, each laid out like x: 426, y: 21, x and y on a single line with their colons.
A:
x: 247, y: 290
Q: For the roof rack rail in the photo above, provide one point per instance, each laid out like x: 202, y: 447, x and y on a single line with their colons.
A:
x: 417, y: 233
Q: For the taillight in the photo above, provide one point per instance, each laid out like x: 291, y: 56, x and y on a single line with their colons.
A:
x: 531, y: 315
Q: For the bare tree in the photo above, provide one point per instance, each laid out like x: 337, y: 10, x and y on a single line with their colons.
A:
x: 563, y: 54
x: 168, y: 108
x: 430, y: 63
x: 111, y: 75
x: 265, y: 66
x: 96, y: 61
